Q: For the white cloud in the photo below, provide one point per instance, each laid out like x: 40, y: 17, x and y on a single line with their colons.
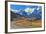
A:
x: 38, y: 8
x: 16, y: 11
x: 30, y: 10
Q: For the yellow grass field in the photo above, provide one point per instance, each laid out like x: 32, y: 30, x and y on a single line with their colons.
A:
x: 37, y: 23
x: 26, y: 23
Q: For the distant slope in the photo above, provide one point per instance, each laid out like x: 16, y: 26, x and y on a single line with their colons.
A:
x: 14, y: 15
x: 32, y: 16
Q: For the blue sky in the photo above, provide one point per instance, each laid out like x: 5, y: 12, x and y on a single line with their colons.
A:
x: 17, y: 7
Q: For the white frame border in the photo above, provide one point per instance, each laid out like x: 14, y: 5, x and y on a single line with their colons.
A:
x: 27, y: 29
